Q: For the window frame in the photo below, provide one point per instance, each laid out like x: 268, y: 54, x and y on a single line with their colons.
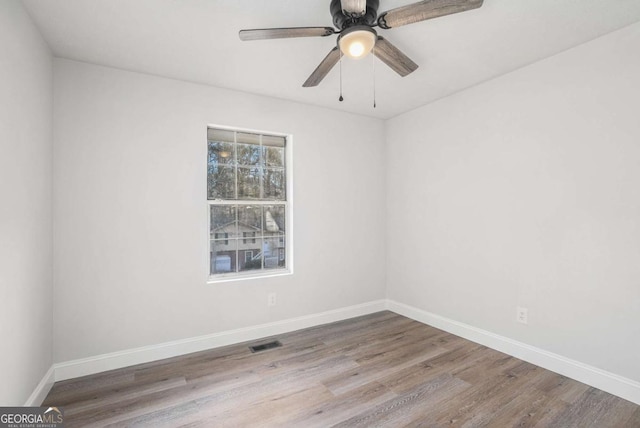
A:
x: 287, y: 203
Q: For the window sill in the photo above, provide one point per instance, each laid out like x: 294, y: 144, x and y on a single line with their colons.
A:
x: 246, y: 276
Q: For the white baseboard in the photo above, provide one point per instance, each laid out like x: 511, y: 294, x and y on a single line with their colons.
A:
x: 606, y: 381
x: 593, y: 376
x: 38, y: 395
x: 130, y: 357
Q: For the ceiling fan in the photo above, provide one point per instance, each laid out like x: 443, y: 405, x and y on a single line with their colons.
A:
x: 355, y: 21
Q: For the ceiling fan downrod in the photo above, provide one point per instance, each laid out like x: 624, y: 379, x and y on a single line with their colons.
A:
x: 343, y: 21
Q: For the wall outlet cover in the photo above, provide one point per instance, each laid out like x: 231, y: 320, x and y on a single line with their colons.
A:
x: 522, y: 315
x: 271, y: 299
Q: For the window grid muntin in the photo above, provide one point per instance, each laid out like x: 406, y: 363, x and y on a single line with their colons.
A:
x: 280, y: 240
x: 236, y: 238
x: 263, y: 166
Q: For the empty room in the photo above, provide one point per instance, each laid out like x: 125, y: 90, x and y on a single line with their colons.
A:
x: 354, y: 213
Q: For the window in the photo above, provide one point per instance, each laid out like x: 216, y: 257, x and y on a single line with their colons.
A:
x: 248, y: 207
x: 223, y: 237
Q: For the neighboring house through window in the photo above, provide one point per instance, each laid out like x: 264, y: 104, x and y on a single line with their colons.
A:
x: 248, y: 207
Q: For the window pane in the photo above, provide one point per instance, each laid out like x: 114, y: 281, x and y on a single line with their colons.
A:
x: 223, y: 220
x: 221, y: 182
x: 274, y: 185
x: 255, y: 263
x: 250, y: 218
x: 220, y: 153
x: 249, y: 155
x: 271, y: 251
x: 282, y: 253
x: 222, y: 236
x: 274, y: 219
x: 223, y: 256
x: 249, y: 183
x: 274, y: 156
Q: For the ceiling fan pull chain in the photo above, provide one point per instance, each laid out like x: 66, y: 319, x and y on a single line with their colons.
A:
x: 373, y: 61
x: 340, y: 99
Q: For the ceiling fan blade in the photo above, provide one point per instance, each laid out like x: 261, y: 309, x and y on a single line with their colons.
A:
x: 424, y: 10
x: 354, y: 7
x: 283, y: 33
x: 393, y: 57
x: 323, y: 69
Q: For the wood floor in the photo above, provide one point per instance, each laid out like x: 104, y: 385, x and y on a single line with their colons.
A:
x: 379, y: 370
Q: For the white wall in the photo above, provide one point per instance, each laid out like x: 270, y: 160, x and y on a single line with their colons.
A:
x: 131, y: 251
x: 525, y: 190
x: 25, y: 205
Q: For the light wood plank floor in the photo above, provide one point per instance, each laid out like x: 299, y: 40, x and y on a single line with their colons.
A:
x: 378, y: 370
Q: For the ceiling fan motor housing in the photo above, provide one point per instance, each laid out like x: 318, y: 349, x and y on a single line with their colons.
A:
x: 342, y: 21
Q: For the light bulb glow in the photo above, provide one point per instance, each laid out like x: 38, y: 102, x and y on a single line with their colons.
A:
x: 357, y: 42
x: 356, y: 49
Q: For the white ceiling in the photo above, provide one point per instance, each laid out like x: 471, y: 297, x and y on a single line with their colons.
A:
x: 197, y: 41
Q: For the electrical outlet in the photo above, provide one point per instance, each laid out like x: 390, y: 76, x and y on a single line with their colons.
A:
x: 271, y: 299
x: 522, y: 315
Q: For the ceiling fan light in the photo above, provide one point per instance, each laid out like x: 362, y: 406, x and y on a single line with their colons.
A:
x: 357, y: 42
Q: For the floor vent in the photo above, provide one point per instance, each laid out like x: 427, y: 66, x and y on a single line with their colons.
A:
x: 265, y: 346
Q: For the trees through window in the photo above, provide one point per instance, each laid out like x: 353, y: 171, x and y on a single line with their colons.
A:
x: 247, y: 197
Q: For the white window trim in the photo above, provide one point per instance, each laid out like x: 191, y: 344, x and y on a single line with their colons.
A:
x: 264, y: 273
